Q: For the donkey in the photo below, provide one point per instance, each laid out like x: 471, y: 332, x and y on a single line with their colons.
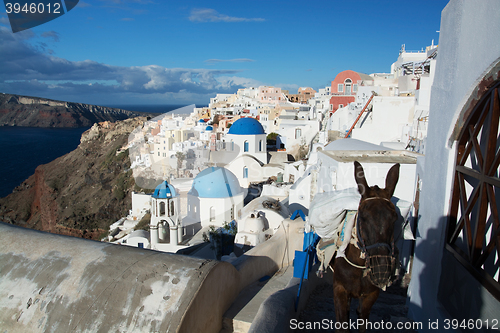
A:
x: 369, y: 265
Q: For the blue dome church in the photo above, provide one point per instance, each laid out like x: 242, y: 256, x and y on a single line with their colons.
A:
x: 215, y: 197
x: 165, y: 226
x: 247, y: 137
x: 246, y: 143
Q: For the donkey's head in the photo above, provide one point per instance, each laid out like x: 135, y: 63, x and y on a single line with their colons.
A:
x: 375, y: 225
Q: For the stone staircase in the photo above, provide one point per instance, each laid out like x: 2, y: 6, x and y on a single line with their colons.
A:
x: 239, y: 317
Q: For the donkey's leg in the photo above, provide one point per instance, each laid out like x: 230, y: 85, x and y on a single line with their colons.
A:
x: 365, y: 305
x: 342, y: 302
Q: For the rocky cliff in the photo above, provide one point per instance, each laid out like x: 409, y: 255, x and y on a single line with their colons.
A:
x: 37, y: 112
x: 82, y: 192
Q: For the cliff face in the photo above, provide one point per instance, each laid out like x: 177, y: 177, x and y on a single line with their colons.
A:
x: 82, y: 192
x: 37, y: 112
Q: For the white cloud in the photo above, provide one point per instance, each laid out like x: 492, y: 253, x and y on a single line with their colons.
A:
x: 30, y: 70
x: 291, y: 87
x: 51, y: 34
x: 211, y: 15
x: 4, y: 19
x: 238, y: 81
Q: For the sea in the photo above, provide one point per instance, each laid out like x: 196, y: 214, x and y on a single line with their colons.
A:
x: 148, y: 108
x: 25, y: 148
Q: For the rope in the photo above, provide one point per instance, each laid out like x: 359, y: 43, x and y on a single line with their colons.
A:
x: 353, y: 264
x: 373, y: 198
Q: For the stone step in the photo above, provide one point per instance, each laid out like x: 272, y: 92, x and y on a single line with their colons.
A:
x: 239, y: 317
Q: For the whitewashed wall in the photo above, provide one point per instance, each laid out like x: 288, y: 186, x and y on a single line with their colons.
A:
x: 468, y: 48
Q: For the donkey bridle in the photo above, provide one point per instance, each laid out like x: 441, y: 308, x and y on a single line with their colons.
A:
x: 368, y: 268
x: 361, y: 242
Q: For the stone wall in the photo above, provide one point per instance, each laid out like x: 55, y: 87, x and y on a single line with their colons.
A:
x: 58, y: 283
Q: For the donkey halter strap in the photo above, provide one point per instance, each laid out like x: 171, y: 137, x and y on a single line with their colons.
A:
x: 373, y: 198
x: 364, y: 248
x: 361, y: 242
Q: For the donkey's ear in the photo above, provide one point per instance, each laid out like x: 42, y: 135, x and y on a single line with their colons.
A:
x: 359, y: 175
x: 392, y: 179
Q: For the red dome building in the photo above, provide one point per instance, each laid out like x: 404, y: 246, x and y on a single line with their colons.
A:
x: 345, y: 87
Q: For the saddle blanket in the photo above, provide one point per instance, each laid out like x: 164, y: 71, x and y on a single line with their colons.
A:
x: 345, y: 234
x: 327, y: 211
x: 332, y: 216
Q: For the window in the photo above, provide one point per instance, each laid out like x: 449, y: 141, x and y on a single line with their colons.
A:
x: 172, y: 208
x: 340, y: 88
x: 245, y: 172
x: 245, y: 146
x: 348, y: 85
x: 212, y: 214
x: 355, y: 87
x: 260, y: 145
x: 341, y: 106
x: 298, y: 133
x: 162, y: 208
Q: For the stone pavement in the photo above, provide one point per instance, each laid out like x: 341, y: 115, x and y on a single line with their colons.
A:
x: 390, y: 308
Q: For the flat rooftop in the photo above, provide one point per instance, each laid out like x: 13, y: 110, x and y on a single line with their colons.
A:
x: 350, y: 150
x: 373, y: 156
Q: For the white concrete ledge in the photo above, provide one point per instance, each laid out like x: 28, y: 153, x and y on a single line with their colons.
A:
x: 58, y: 283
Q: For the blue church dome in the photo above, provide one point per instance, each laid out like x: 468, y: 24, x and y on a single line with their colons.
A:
x: 164, y: 191
x: 201, y: 121
x: 246, y: 126
x: 215, y: 182
x: 209, y: 128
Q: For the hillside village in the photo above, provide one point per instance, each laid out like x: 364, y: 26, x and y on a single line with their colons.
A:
x: 284, y: 147
x: 272, y: 170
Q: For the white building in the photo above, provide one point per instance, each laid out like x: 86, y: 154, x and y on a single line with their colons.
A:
x: 335, y: 171
x: 386, y: 121
x: 297, y: 132
x: 249, y: 169
x: 455, y: 274
x: 246, y: 136
x: 398, y: 112
x: 260, y: 220
x: 165, y: 226
x: 243, y: 151
x: 138, y: 238
x: 215, y: 198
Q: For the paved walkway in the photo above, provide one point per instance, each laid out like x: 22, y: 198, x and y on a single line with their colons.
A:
x: 390, y: 308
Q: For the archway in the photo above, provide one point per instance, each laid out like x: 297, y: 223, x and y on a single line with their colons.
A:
x: 473, y: 227
x: 469, y: 281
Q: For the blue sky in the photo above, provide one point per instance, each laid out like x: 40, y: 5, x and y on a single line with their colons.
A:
x: 109, y: 52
